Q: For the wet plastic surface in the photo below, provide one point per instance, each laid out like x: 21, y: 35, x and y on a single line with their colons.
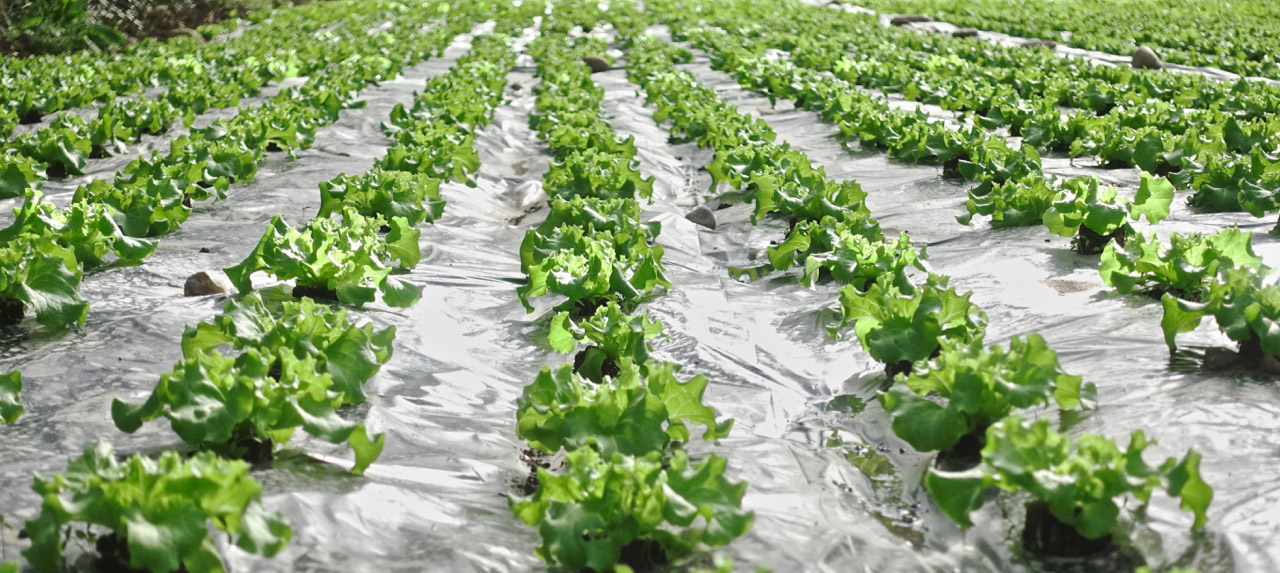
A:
x: 1027, y: 280
x: 832, y: 488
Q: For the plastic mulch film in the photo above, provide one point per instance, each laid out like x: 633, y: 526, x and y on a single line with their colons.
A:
x: 832, y: 488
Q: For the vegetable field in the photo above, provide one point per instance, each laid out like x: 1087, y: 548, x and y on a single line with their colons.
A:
x: 672, y: 285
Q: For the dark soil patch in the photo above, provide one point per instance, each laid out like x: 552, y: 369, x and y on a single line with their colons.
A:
x: 951, y: 168
x: 965, y: 454
x: 315, y: 292
x: 589, y: 355
x: 56, y: 170
x: 904, y: 366
x: 1089, y: 242
x: 526, y: 212
x: 644, y: 555
x: 12, y: 311
x: 33, y: 115
x: 256, y: 452
x: 1065, y: 287
x: 534, y: 459
x: 900, y: 367
x: 584, y: 308
x: 113, y: 555
x: 1045, y: 535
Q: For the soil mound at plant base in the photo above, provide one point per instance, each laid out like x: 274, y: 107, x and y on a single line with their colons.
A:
x: 1045, y: 535
x: 11, y: 312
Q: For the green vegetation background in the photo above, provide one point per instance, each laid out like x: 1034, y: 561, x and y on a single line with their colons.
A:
x: 54, y: 26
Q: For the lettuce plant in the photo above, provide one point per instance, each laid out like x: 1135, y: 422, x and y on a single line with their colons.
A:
x: 968, y: 387
x: 143, y: 115
x: 611, y: 336
x: 430, y: 146
x: 18, y: 174
x: 38, y: 274
x: 161, y: 510
x: 1080, y: 481
x: 225, y: 404
x: 619, y: 216
x: 215, y: 157
x: 1184, y: 269
x: 348, y: 259
x: 64, y: 150
x: 107, y: 134
x: 1093, y: 217
x: 899, y: 327
x: 1245, y: 304
x: 386, y: 193
x: 593, y: 173
x: 91, y: 231
x: 1231, y: 182
x: 779, y: 179
x: 631, y: 413
x: 149, y: 207
x: 593, y: 133
x: 10, y: 397
x: 350, y: 354
x: 590, y: 269
x: 849, y: 257
x: 1020, y: 202
x: 597, y: 506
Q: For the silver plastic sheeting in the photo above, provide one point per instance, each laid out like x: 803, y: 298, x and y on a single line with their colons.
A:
x: 446, y: 399
x: 832, y: 488
x: 850, y: 493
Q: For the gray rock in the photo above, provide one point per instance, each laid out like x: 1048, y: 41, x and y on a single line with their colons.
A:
x: 965, y: 33
x: 701, y: 215
x: 1050, y: 44
x: 596, y: 63
x: 903, y: 19
x: 206, y: 283
x: 1145, y: 58
x: 188, y: 32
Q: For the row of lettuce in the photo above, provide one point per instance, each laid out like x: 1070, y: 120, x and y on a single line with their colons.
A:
x: 1241, y: 38
x: 628, y: 496
x: 622, y: 416
x: 47, y: 250
x: 950, y: 390
x: 294, y: 361
x: 1200, y: 135
x: 1194, y: 275
x: 297, y: 43
x: 187, y: 73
